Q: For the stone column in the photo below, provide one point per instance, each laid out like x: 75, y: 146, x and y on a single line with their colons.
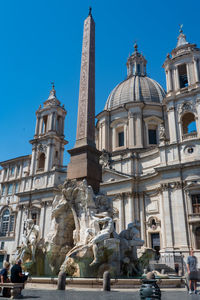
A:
x: 48, y: 158
x: 114, y: 139
x: 37, y: 126
x: 42, y: 218
x: 121, y: 214
x: 40, y: 125
x: 167, y: 221
x: 100, y: 136
x: 104, y: 136
x: 52, y: 121
x: 139, y: 131
x: 33, y: 160
x: 63, y: 125
x: 177, y: 79
x: 49, y: 122
x: 142, y: 219
x: 19, y: 224
x: 196, y: 71
x: 55, y: 121
x: 179, y: 223
x: 167, y: 79
x: 131, y: 206
x: 198, y: 114
x: 170, y: 80
x: 172, y: 125
x: 131, y: 130
x: 188, y: 74
x: 125, y: 136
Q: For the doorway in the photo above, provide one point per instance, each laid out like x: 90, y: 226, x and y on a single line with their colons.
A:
x: 155, y: 244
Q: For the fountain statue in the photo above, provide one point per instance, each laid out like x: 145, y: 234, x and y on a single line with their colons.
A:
x: 30, y: 239
x: 83, y: 231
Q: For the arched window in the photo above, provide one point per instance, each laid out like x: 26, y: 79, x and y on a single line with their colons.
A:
x: 58, y: 124
x: 44, y: 124
x: 41, y: 162
x: 7, y: 222
x: 197, y: 235
x: 188, y: 123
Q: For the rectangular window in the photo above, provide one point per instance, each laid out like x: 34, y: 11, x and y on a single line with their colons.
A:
x: 183, y: 79
x: 12, y: 221
x: 10, y: 188
x: 121, y: 139
x: 2, y: 245
x: 44, y: 125
x: 18, y: 170
x: 12, y: 171
x: 34, y: 217
x: 138, y: 68
x: 152, y: 136
x: 196, y: 204
x: 3, y: 189
x: 5, y: 173
x: 16, y: 187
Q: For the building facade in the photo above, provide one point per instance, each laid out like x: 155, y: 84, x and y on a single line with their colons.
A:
x: 151, y: 144
x: 28, y: 183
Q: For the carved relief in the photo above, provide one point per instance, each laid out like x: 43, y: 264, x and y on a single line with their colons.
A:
x: 39, y: 181
x: 186, y: 107
x: 42, y: 148
x: 162, y: 134
x: 86, y: 109
x: 153, y: 223
x: 105, y: 160
x: 172, y: 185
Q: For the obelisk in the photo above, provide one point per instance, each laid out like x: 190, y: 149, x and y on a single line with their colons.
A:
x: 84, y: 161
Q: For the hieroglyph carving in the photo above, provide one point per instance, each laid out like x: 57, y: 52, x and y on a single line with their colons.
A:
x: 86, y: 108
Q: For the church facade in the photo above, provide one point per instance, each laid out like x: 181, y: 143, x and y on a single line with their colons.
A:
x: 150, y: 143
x: 29, y: 183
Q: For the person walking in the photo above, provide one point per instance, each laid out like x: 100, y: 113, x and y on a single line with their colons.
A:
x: 192, y: 272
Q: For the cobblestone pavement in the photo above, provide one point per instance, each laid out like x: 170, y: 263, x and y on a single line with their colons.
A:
x: 91, y: 294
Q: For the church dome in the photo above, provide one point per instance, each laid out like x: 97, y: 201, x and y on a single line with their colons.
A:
x: 137, y: 87
x: 134, y: 89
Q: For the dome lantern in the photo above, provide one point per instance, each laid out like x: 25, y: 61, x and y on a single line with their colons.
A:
x: 136, y: 63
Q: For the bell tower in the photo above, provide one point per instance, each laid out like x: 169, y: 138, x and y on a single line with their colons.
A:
x: 182, y: 69
x: 48, y: 143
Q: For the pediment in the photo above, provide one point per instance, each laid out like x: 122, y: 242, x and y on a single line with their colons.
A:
x: 109, y: 175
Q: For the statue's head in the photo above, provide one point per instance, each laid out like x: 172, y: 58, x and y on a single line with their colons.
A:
x: 29, y: 223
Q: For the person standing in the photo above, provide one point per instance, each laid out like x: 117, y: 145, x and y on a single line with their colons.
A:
x: 192, y: 271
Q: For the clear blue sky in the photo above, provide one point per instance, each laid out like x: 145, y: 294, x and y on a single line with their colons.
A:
x: 41, y: 41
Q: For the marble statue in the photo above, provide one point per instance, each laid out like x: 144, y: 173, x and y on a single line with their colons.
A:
x: 103, y: 234
x: 82, y: 225
x: 129, y: 242
x: 162, y: 134
x: 30, y: 238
